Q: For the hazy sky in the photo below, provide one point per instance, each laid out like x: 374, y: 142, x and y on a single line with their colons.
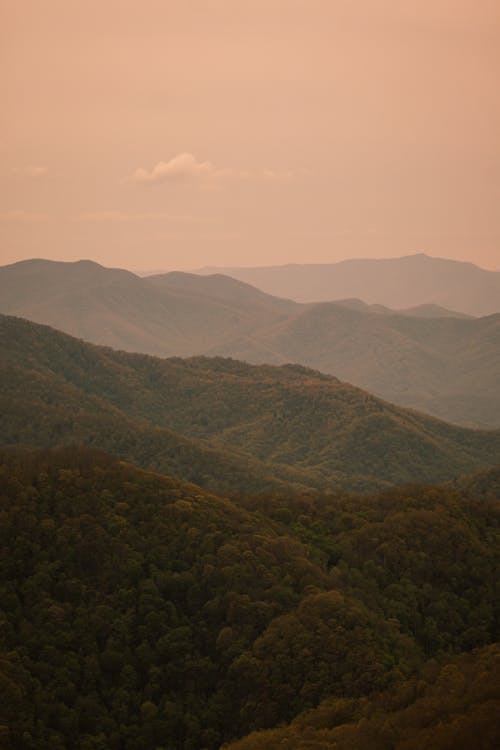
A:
x: 159, y: 134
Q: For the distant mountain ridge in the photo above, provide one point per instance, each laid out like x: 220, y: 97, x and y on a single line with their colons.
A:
x: 397, y: 283
x: 428, y: 358
x: 448, y: 367
x: 418, y: 311
x: 160, y: 315
x: 223, y: 424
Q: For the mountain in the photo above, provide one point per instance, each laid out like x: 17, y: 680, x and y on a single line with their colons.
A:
x: 396, y: 282
x: 430, y: 311
x: 219, y: 422
x: 446, y: 366
x: 173, y: 314
x: 420, y: 311
x: 141, y: 612
x: 426, y: 357
x: 226, y: 290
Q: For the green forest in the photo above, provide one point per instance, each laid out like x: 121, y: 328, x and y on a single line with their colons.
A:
x: 201, y: 554
x: 250, y: 375
x: 142, y: 612
x: 223, y: 424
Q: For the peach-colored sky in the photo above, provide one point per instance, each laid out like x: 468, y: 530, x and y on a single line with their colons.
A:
x: 159, y: 134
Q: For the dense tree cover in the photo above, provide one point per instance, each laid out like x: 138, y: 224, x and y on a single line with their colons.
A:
x: 140, y: 612
x: 425, y: 557
x: 446, y: 367
x: 37, y: 414
x: 120, y: 590
x: 221, y: 423
x: 455, y: 706
x: 484, y: 483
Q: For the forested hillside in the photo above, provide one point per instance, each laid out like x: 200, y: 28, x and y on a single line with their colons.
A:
x: 249, y: 507
x: 446, y: 366
x: 221, y: 423
x: 426, y: 357
x: 141, y: 612
x: 450, y: 707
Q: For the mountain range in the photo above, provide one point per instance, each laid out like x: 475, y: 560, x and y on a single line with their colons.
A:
x: 172, y: 314
x: 395, y: 282
x: 265, y: 605
x: 426, y: 357
x: 223, y: 424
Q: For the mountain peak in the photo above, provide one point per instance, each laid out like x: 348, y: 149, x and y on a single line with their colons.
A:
x: 397, y: 283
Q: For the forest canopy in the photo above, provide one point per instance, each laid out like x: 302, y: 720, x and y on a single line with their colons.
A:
x: 141, y: 612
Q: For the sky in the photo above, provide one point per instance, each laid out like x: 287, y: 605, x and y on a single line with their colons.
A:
x: 175, y: 134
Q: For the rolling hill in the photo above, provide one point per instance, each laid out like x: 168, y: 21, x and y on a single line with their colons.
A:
x: 446, y: 366
x: 394, y: 282
x: 219, y: 422
x: 173, y: 314
x: 428, y: 358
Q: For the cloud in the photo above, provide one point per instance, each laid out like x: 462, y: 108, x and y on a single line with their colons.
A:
x: 184, y: 168
x: 116, y: 216
x: 33, y: 171
x: 181, y: 168
x: 22, y: 217
x: 200, y: 237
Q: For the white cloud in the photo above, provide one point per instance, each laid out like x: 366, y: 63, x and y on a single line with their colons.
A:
x: 181, y: 168
x: 184, y: 168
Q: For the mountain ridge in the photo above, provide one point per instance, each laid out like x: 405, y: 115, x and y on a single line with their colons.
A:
x: 207, y: 419
x: 447, y: 365
x: 395, y: 282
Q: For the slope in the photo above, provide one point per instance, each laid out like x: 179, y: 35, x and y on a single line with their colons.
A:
x: 425, y: 357
x: 453, y: 705
x: 396, y: 282
x: 114, y: 307
x: 140, y: 612
x: 449, y: 367
x: 299, y: 425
